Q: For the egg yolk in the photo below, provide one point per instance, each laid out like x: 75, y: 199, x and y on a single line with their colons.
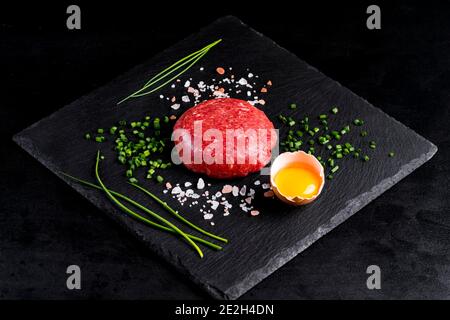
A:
x: 297, y: 181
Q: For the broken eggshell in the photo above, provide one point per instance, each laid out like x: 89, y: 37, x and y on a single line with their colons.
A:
x: 289, y: 159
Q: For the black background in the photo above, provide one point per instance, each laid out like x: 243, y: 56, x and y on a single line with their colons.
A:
x: 404, y: 69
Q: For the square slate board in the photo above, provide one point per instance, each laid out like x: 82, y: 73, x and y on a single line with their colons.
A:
x: 258, y: 245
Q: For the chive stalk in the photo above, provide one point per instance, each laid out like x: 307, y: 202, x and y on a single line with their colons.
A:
x: 176, y: 214
x: 138, y: 216
x: 123, y: 207
x: 190, y: 59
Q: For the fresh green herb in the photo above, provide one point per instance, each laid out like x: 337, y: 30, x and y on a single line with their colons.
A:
x: 334, y: 110
x: 391, y: 154
x: 145, y: 209
x: 159, y: 80
x: 293, y: 106
x: 358, y: 122
x: 335, y: 169
x: 123, y: 207
x: 363, y: 133
x: 87, y: 136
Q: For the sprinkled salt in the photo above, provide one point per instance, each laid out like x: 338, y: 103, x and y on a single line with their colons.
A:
x: 176, y: 190
x: 175, y: 106
x: 254, y: 213
x: 185, y: 99
x: 243, y: 190
x: 187, y: 184
x: 257, y: 183
x: 266, y: 186
x: 235, y: 191
x: 200, y: 183
x: 242, y: 82
x: 187, y: 83
x: 227, y: 188
x: 214, y: 204
x: 208, y: 216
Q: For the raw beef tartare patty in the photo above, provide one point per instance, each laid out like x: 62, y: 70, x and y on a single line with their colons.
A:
x: 225, y: 116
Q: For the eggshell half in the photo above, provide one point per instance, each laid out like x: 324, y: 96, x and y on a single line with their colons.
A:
x: 288, y: 159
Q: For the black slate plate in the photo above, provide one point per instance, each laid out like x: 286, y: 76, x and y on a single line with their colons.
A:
x: 258, y: 245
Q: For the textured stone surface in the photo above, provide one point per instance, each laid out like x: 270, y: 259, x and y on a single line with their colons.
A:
x: 258, y: 246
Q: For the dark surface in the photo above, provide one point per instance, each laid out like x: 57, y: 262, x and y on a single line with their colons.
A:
x: 406, y: 233
x: 258, y: 246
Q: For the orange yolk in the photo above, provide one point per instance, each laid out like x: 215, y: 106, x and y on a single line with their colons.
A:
x: 299, y: 181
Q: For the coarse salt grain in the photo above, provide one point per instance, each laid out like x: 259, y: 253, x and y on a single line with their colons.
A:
x: 208, y: 216
x: 175, y: 106
x: 200, y: 183
x: 185, y: 99
x: 254, y: 213
x: 227, y: 188
x: 235, y: 191
x: 242, y: 82
x: 268, y: 194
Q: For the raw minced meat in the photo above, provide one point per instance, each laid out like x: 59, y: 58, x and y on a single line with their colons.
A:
x: 226, y: 117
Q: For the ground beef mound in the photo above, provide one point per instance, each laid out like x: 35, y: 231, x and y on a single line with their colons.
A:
x: 222, y: 114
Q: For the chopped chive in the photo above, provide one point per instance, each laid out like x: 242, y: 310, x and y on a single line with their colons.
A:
x: 366, y: 158
x: 291, y: 123
x: 323, y: 116
x: 133, y: 180
x: 87, y: 136
x: 293, y: 106
x: 358, y: 122
x: 159, y: 179
x: 334, y: 169
x: 334, y: 110
x: 330, y: 177
x: 391, y: 154
x: 100, y: 138
x: 363, y: 133
x: 100, y: 130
